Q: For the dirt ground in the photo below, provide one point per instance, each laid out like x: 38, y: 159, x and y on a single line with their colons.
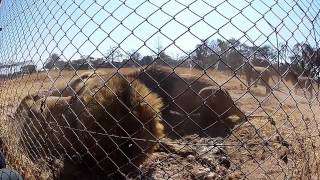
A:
x: 280, y: 140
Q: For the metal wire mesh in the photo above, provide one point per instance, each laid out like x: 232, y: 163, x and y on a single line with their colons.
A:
x: 170, y: 89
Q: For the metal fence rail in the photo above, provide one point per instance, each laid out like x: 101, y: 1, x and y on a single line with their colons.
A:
x: 167, y: 89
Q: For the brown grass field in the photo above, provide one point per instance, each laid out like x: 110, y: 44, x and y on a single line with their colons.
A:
x: 280, y: 140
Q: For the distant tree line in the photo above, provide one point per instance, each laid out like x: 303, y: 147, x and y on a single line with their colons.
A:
x: 113, y: 60
x: 305, y: 60
x: 228, y: 54
x: 218, y: 54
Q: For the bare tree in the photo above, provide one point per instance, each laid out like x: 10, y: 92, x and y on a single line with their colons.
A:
x: 146, y: 60
x: 114, y: 54
x: 52, y: 60
x: 29, y: 69
x: 134, y: 55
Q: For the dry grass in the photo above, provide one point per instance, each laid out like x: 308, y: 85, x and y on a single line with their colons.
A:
x: 281, y: 139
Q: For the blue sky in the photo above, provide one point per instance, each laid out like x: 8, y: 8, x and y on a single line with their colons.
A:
x: 34, y: 29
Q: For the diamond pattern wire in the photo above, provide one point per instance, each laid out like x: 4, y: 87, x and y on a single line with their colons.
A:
x: 170, y: 89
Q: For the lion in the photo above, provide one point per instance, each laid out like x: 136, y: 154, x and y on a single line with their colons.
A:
x: 110, y: 125
x: 258, y: 74
x: 300, y: 82
x: 191, y: 103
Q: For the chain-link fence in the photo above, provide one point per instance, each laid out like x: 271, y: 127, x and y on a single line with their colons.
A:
x: 160, y: 89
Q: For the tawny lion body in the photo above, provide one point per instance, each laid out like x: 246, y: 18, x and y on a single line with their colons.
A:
x: 300, y: 82
x: 192, y: 105
x: 112, y: 125
x: 258, y: 74
x: 74, y: 86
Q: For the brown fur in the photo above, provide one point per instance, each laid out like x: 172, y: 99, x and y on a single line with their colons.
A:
x: 184, y: 97
x: 42, y: 118
x: 74, y: 86
x: 300, y: 82
x: 258, y: 74
x: 215, y: 109
x: 97, y: 124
